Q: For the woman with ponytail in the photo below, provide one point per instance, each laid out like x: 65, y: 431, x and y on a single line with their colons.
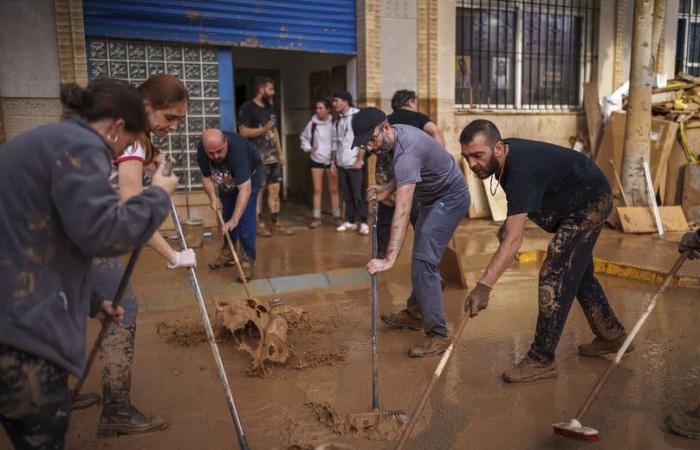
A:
x: 165, y: 100
x: 58, y: 212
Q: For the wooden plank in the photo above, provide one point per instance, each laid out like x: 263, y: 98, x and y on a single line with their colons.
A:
x: 675, y: 169
x: 691, y: 193
x: 611, y: 148
x: 498, y: 205
x: 639, y: 219
x: 478, y: 206
x: 451, y: 267
x: 663, y: 135
x: 594, y: 115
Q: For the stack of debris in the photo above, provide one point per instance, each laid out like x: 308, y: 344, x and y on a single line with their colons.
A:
x: 675, y: 156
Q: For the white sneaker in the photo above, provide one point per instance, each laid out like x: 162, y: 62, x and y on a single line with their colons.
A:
x: 364, y: 229
x: 345, y: 226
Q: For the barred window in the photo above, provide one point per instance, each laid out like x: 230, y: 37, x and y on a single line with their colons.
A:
x: 524, y: 54
x: 197, y: 66
x: 688, y: 37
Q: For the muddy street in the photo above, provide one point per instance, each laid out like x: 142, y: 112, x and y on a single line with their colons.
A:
x: 298, y: 405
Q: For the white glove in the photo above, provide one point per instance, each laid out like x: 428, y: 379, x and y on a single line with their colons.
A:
x: 185, y: 258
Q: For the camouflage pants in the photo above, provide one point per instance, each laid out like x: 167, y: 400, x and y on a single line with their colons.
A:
x: 117, y: 351
x: 568, y: 272
x: 34, y: 400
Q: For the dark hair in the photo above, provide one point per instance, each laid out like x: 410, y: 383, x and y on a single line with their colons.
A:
x: 261, y: 82
x: 106, y: 98
x: 163, y: 91
x: 326, y: 102
x: 401, y: 98
x: 480, y: 126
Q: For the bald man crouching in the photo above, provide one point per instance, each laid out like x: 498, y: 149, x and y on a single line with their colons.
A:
x: 232, y: 166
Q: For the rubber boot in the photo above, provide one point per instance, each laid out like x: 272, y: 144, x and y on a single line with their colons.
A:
x: 119, y: 416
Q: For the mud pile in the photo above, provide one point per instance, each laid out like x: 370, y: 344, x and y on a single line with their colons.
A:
x: 375, y: 427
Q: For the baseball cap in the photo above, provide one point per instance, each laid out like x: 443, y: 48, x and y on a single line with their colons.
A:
x: 364, y: 123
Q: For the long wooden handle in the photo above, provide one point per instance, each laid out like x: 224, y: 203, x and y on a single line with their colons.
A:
x: 235, y: 255
x: 406, y: 434
x: 632, y: 334
x: 116, y: 301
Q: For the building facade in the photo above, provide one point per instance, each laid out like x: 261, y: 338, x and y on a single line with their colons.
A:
x: 519, y: 63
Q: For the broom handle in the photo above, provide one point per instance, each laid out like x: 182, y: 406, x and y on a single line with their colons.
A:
x: 116, y: 302
x: 235, y: 255
x: 630, y: 337
x: 375, y: 375
x: 424, y: 399
x: 242, y: 439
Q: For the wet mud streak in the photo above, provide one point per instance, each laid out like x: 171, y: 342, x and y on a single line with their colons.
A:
x: 315, y: 358
x: 373, y: 426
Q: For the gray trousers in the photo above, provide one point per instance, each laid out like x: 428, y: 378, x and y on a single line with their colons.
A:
x: 435, y: 226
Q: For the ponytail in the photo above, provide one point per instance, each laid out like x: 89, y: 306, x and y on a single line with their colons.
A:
x: 105, y: 98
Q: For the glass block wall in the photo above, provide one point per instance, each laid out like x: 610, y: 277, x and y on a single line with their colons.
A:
x: 197, y: 66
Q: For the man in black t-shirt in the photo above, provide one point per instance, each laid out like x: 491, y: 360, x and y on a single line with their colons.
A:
x: 258, y: 123
x: 563, y: 192
x: 404, y: 105
x: 232, y: 166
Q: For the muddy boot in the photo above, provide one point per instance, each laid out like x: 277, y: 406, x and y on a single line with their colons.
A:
x: 225, y: 259
x: 529, y: 370
x: 686, y: 424
x: 261, y: 229
x: 435, y: 344
x: 247, y: 268
x: 315, y: 223
x: 83, y: 401
x: 279, y: 228
x: 403, y: 319
x: 601, y: 347
x: 124, y: 418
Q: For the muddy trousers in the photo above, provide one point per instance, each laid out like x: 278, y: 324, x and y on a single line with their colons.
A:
x: 568, y: 272
x: 434, y: 228
x: 353, y: 192
x: 117, y: 350
x: 244, y: 233
x: 34, y: 400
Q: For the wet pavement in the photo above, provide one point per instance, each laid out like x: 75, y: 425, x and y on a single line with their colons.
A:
x: 471, y: 408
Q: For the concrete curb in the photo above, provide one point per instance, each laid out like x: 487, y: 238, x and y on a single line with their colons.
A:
x: 620, y: 270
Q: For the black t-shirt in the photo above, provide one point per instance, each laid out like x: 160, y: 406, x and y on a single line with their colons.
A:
x: 548, y: 182
x: 253, y: 116
x: 408, y: 117
x: 242, y: 163
x: 383, y: 170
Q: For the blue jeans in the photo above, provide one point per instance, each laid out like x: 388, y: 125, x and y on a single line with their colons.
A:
x: 245, y: 231
x: 435, y: 226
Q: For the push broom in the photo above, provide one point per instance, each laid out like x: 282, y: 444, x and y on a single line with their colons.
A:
x: 574, y: 429
x: 372, y: 420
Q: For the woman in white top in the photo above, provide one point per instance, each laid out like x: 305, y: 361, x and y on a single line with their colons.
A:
x: 317, y: 140
x: 165, y: 99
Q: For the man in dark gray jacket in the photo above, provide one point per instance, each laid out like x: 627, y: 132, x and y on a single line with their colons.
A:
x: 58, y: 211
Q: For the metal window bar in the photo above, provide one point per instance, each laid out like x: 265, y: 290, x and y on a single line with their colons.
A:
x: 524, y: 54
x: 688, y: 49
x: 196, y: 66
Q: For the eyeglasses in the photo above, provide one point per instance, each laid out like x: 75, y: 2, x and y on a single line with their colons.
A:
x: 370, y: 145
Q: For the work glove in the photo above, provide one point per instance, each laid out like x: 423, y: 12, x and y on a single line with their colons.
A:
x: 690, y: 241
x: 185, y: 258
x: 477, y: 299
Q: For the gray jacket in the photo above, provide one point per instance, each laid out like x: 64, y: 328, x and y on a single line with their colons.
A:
x: 58, y: 211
